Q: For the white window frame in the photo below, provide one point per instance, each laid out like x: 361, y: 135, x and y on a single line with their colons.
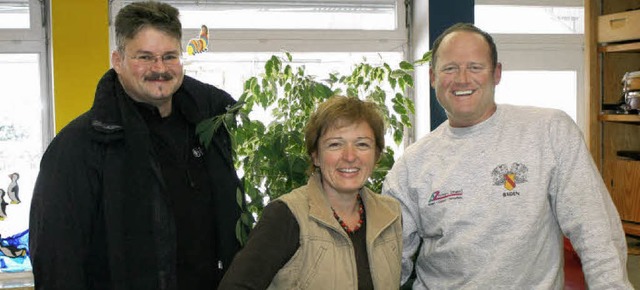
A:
x: 299, y: 40
x: 37, y: 21
x: 35, y: 40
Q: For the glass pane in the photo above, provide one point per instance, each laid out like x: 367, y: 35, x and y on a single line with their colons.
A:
x: 14, y: 14
x: 20, y: 150
x: 290, y: 15
x: 530, y: 19
x: 229, y: 71
x: 523, y: 88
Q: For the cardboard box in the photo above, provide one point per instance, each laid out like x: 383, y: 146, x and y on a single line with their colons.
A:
x: 619, y: 26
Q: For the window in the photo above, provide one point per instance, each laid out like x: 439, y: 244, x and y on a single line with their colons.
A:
x: 324, y: 36
x: 550, y: 35
x: 294, y: 26
x: 514, y: 89
x: 530, y: 19
x: 310, y: 14
x: 230, y: 70
x: 25, y: 121
x: 15, y: 14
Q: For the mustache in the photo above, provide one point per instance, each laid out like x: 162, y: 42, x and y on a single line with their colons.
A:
x: 159, y: 77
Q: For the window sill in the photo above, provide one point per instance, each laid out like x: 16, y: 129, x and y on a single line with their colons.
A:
x: 16, y: 281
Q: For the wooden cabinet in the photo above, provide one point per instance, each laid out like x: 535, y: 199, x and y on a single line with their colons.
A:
x: 610, y: 132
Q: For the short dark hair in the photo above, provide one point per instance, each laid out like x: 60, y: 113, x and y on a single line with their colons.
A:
x: 340, y: 111
x: 138, y: 15
x: 468, y: 27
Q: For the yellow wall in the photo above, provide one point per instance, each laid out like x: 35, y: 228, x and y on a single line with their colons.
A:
x: 80, y: 42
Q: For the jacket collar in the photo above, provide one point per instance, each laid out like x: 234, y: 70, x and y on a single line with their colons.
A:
x: 319, y: 207
x: 111, y: 102
x: 378, y: 215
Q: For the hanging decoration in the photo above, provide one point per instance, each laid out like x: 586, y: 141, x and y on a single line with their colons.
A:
x: 200, y: 44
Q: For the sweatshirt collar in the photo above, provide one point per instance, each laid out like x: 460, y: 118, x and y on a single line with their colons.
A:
x: 480, y: 128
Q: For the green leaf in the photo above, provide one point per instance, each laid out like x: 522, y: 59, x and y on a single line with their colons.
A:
x: 323, y: 91
x: 246, y: 219
x: 426, y: 57
x: 351, y: 92
x: 405, y: 120
x: 241, y: 234
x: 399, y: 108
x: 333, y: 78
x: 406, y: 65
x: 408, y: 103
x: 397, y: 136
x: 288, y: 72
x: 239, y: 197
x: 402, y: 83
x: 268, y: 68
x: 392, y: 82
x: 299, y: 166
x: 408, y: 80
x: 255, y: 89
x: 397, y: 73
x: 205, y: 130
x: 204, y: 125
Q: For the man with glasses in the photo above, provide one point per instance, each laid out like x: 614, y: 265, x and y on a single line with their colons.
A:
x: 127, y: 198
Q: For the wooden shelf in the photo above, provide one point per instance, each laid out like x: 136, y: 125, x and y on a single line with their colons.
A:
x: 620, y: 47
x: 619, y: 118
x: 610, y: 132
x: 631, y: 228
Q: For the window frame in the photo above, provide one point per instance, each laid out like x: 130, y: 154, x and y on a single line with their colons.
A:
x: 297, y: 40
x: 554, y: 3
x: 35, y: 40
x: 37, y: 23
x: 37, y: 47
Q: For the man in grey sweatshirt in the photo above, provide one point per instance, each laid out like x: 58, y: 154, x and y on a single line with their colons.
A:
x: 488, y: 196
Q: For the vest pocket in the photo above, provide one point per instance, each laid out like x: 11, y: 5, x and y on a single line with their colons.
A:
x: 391, y: 267
x: 315, y: 267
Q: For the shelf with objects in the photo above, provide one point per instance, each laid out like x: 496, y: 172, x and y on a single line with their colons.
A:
x: 612, y: 49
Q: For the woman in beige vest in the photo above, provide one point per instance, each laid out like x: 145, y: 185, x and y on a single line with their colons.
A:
x: 332, y: 233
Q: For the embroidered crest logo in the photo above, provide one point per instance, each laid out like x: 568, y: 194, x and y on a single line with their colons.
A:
x: 510, y: 177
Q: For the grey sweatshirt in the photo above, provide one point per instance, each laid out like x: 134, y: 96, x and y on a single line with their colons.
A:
x: 490, y: 204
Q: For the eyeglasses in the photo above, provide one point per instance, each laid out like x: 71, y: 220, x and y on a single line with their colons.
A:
x: 150, y: 59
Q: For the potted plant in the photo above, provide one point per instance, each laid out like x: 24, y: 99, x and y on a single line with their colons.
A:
x: 271, y: 157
